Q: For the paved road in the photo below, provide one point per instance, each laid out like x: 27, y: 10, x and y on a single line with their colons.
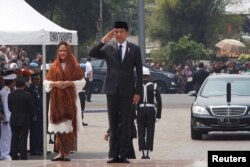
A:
x: 173, y: 144
x: 172, y: 138
x: 168, y: 100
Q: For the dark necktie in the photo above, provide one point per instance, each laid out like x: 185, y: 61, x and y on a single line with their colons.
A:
x: 120, y: 53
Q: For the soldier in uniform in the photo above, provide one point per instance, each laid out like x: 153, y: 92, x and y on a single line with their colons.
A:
x: 147, y: 114
x: 1, y: 112
x: 5, y: 140
x: 1, y: 104
x: 21, y: 108
x: 36, y: 129
x: 82, y: 95
x: 1, y: 86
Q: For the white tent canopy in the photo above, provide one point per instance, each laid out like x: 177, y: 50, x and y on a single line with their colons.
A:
x: 23, y: 25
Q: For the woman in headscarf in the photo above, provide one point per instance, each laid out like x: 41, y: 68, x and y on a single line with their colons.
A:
x: 64, y: 81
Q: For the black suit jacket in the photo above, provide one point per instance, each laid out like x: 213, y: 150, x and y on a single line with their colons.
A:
x: 120, y: 76
x: 21, y: 108
x: 198, y: 78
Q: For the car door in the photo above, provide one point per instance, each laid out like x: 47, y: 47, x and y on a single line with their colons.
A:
x: 99, y: 73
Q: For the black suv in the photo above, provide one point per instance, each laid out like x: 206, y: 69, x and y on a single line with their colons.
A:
x: 166, y: 81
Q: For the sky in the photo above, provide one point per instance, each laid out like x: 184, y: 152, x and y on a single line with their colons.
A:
x: 242, y: 8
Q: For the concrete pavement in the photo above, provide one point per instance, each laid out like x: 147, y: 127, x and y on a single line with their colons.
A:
x: 171, y: 133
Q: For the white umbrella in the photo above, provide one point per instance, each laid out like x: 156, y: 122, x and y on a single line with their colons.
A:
x: 232, y: 46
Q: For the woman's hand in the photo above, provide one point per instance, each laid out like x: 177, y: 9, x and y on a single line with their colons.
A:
x: 62, y: 84
x: 68, y: 84
x: 57, y: 84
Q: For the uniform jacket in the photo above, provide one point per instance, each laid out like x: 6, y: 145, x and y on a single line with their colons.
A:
x: 120, y: 75
x: 151, y: 98
x: 21, y: 107
x: 36, y: 92
x: 4, y: 97
x: 1, y: 110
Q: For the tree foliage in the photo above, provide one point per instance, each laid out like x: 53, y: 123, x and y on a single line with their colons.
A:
x: 183, y: 50
x: 83, y: 15
x: 204, y: 20
x: 244, y: 57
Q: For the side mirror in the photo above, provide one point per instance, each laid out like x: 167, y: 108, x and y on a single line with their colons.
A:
x: 192, y: 93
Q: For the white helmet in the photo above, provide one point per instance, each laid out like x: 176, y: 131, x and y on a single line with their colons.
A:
x: 145, y: 71
x: 47, y: 67
x: 13, y: 65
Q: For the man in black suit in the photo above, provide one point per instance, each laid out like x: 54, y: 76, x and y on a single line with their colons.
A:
x: 22, y: 109
x: 122, y: 91
x: 199, y: 76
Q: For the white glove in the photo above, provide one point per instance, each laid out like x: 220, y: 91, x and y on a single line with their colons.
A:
x: 157, y: 120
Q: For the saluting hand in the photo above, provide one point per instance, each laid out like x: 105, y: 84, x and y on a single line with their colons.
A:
x: 108, y: 36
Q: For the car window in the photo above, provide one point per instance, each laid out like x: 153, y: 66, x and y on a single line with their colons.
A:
x: 96, y: 64
x: 104, y: 66
x: 239, y: 87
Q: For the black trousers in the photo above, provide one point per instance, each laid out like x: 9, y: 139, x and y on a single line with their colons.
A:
x: 119, y: 115
x: 131, y: 151
x: 19, y: 140
x: 36, y: 136
x: 146, y: 128
x: 82, y: 97
x: 89, y: 88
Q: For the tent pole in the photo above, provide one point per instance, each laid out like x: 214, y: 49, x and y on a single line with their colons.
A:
x: 44, y: 106
x: 76, y: 51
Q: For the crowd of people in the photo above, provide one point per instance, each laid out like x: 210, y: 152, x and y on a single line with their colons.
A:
x: 16, y: 57
x: 185, y: 73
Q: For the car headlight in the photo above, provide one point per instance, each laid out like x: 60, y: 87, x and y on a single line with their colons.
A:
x: 169, y: 75
x: 199, y: 110
x: 173, y: 83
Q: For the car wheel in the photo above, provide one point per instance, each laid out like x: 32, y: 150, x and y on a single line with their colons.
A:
x: 195, y: 135
x: 97, y: 86
x: 162, y: 87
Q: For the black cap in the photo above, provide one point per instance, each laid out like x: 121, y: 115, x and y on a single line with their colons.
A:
x: 22, y: 78
x: 121, y: 24
x: 35, y: 76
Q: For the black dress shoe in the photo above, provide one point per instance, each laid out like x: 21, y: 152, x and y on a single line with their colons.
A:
x: 51, y: 141
x: 66, y: 159
x: 114, y: 160
x: 143, y: 157
x: 57, y: 159
x: 124, y: 160
x: 84, y: 124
